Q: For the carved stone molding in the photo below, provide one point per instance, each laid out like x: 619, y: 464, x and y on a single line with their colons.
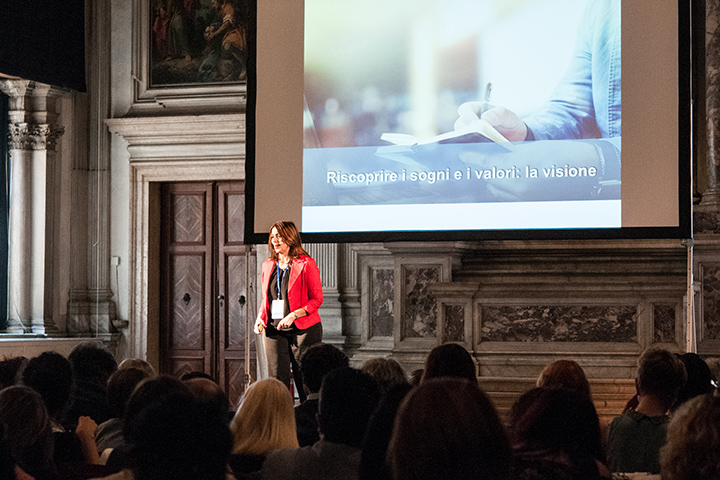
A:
x: 23, y: 136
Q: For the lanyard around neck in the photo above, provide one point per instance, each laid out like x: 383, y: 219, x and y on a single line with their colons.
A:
x: 279, y: 278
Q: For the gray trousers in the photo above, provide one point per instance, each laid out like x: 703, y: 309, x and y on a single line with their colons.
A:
x: 283, y: 350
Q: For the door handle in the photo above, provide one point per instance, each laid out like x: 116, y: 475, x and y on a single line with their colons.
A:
x: 241, y: 300
x: 186, y: 298
x: 221, y: 300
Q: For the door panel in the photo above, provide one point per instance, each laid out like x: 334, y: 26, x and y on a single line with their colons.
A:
x: 206, y: 300
x: 232, y: 267
x: 186, y: 309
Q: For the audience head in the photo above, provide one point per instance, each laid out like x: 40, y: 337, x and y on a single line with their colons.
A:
x: 171, y: 435
x: 138, y: 364
x: 373, y: 461
x: 50, y: 374
x: 449, y: 360
x: 558, y: 420
x: 265, y: 420
x: 447, y: 429
x: 386, y: 372
x: 347, y: 399
x: 661, y: 374
x: 92, y: 362
x: 416, y: 377
x: 317, y: 361
x: 120, y: 387
x: 10, y: 369
x: 565, y: 374
x: 692, y: 450
x: 699, y: 378
x: 26, y: 423
x: 713, y: 364
x: 209, y: 393
x: 195, y: 374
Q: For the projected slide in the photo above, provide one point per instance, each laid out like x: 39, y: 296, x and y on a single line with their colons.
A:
x: 461, y: 115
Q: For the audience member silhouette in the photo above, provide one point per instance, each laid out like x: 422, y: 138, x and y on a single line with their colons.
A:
x: 636, y: 436
x: 373, y: 460
x: 555, y: 434
x: 26, y: 423
x: 347, y: 399
x: 264, y: 423
x: 692, y: 450
x: 209, y: 393
x: 50, y: 374
x: 315, y: 363
x: 120, y: 387
x: 447, y: 429
x: 565, y: 374
x: 145, y: 393
x: 10, y: 369
x: 170, y: 435
x: 92, y: 365
x: 139, y: 364
x: 450, y: 360
x: 699, y: 378
x: 386, y: 372
x: 416, y: 377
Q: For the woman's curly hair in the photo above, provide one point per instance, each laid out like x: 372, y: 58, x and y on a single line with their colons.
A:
x: 692, y: 450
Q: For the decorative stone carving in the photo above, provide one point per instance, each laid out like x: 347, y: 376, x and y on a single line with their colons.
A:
x: 23, y: 136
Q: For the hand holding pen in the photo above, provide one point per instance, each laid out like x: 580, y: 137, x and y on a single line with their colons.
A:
x: 505, y: 121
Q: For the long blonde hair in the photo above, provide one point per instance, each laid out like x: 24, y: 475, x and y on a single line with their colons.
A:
x: 265, y: 420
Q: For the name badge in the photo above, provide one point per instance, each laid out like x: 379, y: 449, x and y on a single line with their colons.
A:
x: 277, y: 309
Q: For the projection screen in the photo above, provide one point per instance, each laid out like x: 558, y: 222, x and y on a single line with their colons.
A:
x: 470, y: 119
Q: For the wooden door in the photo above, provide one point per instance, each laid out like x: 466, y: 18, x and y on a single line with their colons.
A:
x: 204, y: 283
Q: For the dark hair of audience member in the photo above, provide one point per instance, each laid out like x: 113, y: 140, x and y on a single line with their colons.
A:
x: 347, y: 399
x: 209, y: 393
x: 170, y: 435
x: 139, y: 364
x: 373, y: 461
x: 416, y: 377
x: 7, y: 462
x: 660, y: 374
x: 386, y: 372
x: 10, y: 369
x: 692, y: 450
x: 699, y: 378
x: 92, y: 361
x: 195, y: 374
x: 50, y: 374
x: 120, y: 387
x: 559, y: 426
x: 27, y: 431
x: 450, y: 360
x: 92, y: 365
x: 565, y: 374
x: 447, y: 429
x: 317, y: 361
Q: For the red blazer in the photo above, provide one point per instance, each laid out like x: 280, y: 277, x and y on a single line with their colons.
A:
x: 304, y: 290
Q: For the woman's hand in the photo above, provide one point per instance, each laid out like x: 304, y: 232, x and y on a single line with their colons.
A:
x: 287, y: 322
x: 259, y: 326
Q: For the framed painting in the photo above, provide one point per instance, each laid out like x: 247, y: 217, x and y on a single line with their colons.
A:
x: 192, y: 51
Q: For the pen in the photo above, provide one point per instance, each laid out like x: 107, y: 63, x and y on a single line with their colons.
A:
x: 486, y: 99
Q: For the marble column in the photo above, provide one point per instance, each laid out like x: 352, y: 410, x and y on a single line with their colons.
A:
x: 33, y: 135
x: 91, y: 310
x: 711, y: 197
